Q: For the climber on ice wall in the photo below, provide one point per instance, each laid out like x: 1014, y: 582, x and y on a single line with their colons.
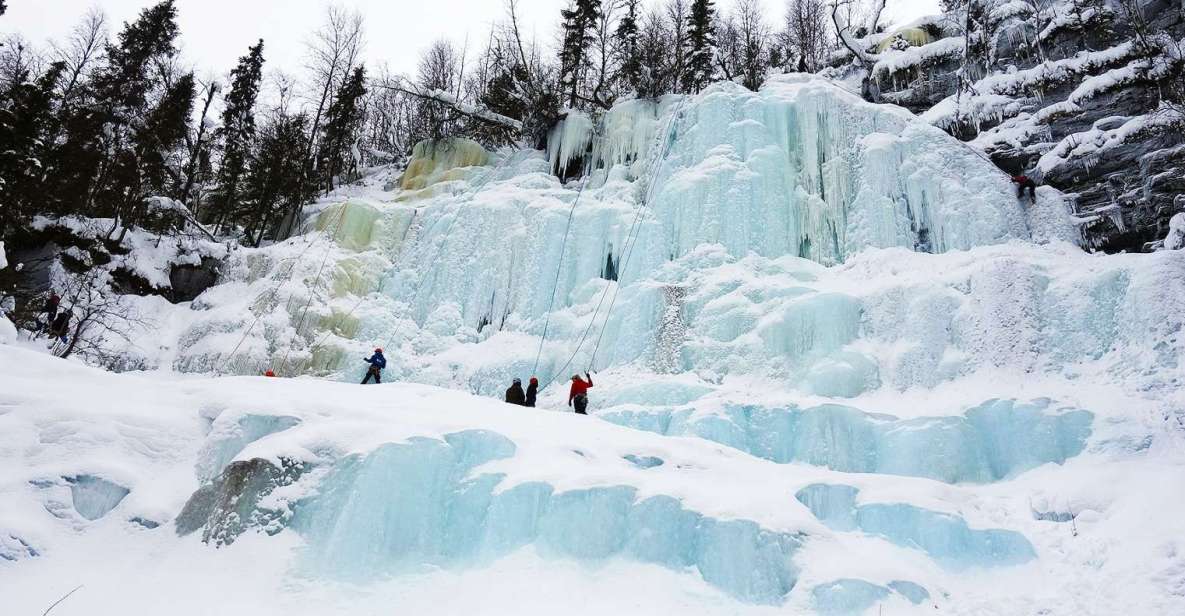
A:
x: 1023, y: 183
x: 578, y: 396
x: 377, y: 363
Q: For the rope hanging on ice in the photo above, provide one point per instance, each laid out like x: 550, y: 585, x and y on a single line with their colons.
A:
x: 316, y: 281
x: 559, y: 268
x: 468, y: 196
x: 631, y: 240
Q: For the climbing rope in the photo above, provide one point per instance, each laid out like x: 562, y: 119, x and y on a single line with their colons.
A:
x: 631, y: 240
x: 558, y: 269
x: 465, y: 198
x: 312, y: 289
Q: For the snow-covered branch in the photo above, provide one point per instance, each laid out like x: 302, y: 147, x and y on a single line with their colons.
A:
x: 450, y: 100
x: 844, y: 30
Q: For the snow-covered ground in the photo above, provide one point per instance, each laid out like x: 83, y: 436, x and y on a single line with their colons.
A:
x: 841, y: 369
x: 421, y: 499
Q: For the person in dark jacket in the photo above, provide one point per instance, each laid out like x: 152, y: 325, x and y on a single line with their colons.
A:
x: 1023, y: 183
x: 49, y: 313
x: 377, y: 363
x: 532, y: 392
x: 578, y: 396
x: 515, y: 394
x: 51, y: 307
x: 60, y: 327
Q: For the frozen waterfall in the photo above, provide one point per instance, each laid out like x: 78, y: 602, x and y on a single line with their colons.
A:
x: 839, y: 368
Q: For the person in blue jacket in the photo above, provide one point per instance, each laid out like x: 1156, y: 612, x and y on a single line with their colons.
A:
x: 377, y: 363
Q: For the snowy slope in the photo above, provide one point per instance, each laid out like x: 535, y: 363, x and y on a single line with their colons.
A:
x: 411, y: 491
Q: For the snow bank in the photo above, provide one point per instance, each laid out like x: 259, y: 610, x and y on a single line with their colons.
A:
x: 404, y: 486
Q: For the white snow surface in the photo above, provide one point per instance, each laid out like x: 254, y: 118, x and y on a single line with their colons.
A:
x: 844, y: 371
x: 141, y: 440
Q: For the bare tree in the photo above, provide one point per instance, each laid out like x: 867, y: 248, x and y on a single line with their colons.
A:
x: 20, y: 61
x: 197, y: 145
x: 604, y: 59
x: 99, y: 318
x: 332, y: 55
x: 677, y: 41
x: 841, y: 17
x: 1044, y: 12
x: 755, y: 39
x: 806, y: 37
x: 437, y: 72
x: 728, y: 47
x: 80, y: 50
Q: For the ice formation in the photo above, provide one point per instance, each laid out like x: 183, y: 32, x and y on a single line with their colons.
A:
x: 95, y: 497
x: 944, y: 537
x: 988, y: 443
x: 404, y: 507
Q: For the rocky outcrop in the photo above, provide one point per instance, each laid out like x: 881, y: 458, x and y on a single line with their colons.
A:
x: 230, y: 505
x: 1085, y: 96
x: 190, y: 281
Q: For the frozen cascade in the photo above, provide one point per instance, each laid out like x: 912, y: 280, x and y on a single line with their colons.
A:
x: 988, y: 443
x: 405, y: 507
x: 800, y: 169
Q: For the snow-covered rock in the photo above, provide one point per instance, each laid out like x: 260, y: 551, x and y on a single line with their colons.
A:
x: 1175, y: 240
x: 1072, y: 91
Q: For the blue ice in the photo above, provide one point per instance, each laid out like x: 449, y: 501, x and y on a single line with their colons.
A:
x: 944, y: 537
x: 994, y: 441
x: 415, y: 505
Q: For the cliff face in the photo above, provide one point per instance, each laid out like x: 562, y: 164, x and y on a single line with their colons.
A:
x: 1085, y: 95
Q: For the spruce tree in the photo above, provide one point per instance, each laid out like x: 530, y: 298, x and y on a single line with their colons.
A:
x: 274, y: 186
x: 96, y: 165
x: 702, y: 46
x: 161, y: 134
x: 237, y: 132
x: 628, y: 49
x: 578, y: 27
x: 339, y: 135
x: 26, y: 114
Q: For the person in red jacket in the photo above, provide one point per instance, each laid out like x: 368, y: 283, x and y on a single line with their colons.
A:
x: 1023, y: 183
x: 579, y: 393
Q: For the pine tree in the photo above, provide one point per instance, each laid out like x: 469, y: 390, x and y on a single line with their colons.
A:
x: 95, y: 168
x: 237, y: 132
x: 628, y: 49
x: 25, y: 122
x: 339, y: 135
x: 274, y: 188
x: 126, y: 80
x: 578, y: 24
x: 162, y: 133
x: 702, y: 46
